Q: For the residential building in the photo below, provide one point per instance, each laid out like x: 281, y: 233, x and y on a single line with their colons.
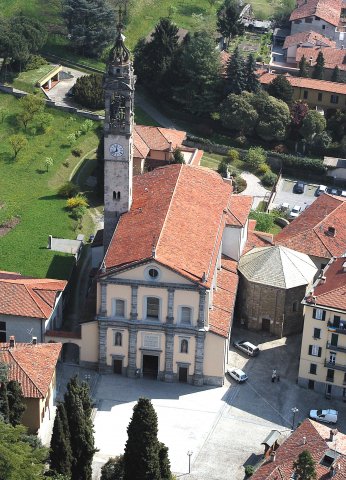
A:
x: 327, y: 448
x: 304, y: 40
x: 321, y: 16
x: 29, y: 306
x: 320, y: 230
x: 33, y: 365
x: 323, y: 353
x: 333, y: 57
x: 273, y: 282
x: 336, y: 168
x: 320, y: 94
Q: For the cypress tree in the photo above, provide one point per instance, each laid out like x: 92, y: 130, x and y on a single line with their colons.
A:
x: 141, y: 457
x: 319, y: 67
x: 4, y: 408
x: 251, y: 78
x: 165, y: 464
x: 305, y: 466
x: 281, y: 88
x: 15, y: 402
x: 336, y: 74
x: 303, y: 68
x: 60, y: 448
x: 235, y: 73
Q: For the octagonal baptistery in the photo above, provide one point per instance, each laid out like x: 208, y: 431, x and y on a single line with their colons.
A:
x: 273, y: 282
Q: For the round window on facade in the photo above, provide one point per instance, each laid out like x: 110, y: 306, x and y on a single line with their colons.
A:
x: 153, y: 273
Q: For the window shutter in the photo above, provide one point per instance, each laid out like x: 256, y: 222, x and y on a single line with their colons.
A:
x: 324, y: 315
x: 314, y: 313
x: 319, y: 351
x: 310, y: 349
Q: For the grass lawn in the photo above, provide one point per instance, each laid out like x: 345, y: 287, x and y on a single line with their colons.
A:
x: 27, y: 190
x: 211, y: 160
x: 26, y: 81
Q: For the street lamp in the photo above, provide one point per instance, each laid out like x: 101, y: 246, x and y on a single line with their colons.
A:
x: 189, y: 454
x: 294, y: 410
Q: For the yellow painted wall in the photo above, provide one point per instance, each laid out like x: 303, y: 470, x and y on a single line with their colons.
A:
x: 89, y: 351
x: 184, y: 357
x: 214, y: 355
x: 312, y: 100
x: 186, y: 298
x: 122, y: 292
x: 116, y: 349
x: 166, y: 275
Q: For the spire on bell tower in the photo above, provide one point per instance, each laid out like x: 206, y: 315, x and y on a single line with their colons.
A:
x: 119, y: 82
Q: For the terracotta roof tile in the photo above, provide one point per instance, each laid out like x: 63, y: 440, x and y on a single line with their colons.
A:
x: 181, y: 210
x: 317, y: 443
x: 308, y: 37
x: 332, y: 56
x: 311, y: 83
x: 33, y: 366
x: 156, y: 138
x: 239, y: 207
x: 328, y: 10
x: 220, y: 317
x: 331, y: 292
x: 309, y: 234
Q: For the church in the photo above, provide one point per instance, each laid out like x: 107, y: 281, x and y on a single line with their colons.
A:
x: 173, y: 237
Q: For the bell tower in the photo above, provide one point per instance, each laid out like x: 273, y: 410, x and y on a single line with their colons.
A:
x: 119, y: 82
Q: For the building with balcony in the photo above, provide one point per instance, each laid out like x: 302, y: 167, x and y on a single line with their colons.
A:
x: 323, y: 353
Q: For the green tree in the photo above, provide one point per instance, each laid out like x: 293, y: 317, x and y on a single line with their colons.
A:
x: 113, y: 469
x: 236, y: 113
x: 3, y: 372
x: 303, y: 68
x: 336, y: 124
x: 264, y: 221
x: 255, y: 157
x: 228, y: 21
x: 178, y: 157
x: 318, y: 72
x: 88, y: 91
x: 60, y: 447
x: 31, y: 106
x: 17, y: 142
x: 235, y: 78
x: 281, y: 88
x: 336, y: 74
x: 78, y: 412
x: 4, y: 407
x: 165, y: 464
x: 313, y: 124
x: 198, y: 89
x: 19, y: 460
x: 142, y: 444
x: 305, y: 466
x: 283, y: 12
x: 15, y: 402
x: 251, y: 82
x: 90, y: 24
x: 48, y: 162
x: 298, y: 111
x: 273, y: 116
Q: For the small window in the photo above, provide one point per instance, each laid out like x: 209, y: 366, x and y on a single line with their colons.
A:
x: 118, y: 196
x: 319, y: 314
x: 344, y: 382
x: 311, y: 384
x: 114, y: 195
x: 297, y: 21
x: 186, y: 314
x: 153, y: 273
x: 119, y: 309
x: 295, y: 307
x: 330, y: 375
x: 308, y: 20
x: 317, y: 333
x: 320, y: 96
x: 313, y: 368
x: 305, y: 94
x: 2, y: 331
x: 334, y: 99
x: 323, y: 27
x: 315, y: 350
x: 153, y: 308
x: 118, y: 339
x: 184, y: 346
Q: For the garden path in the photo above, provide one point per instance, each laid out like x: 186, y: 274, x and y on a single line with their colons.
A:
x: 254, y: 188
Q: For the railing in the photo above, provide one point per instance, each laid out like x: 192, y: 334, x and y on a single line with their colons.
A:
x: 336, y: 329
x: 335, y: 366
x: 337, y: 348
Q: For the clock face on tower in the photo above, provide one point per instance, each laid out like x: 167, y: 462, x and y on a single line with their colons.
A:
x: 116, y: 150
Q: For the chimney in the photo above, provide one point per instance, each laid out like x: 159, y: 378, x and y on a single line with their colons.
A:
x: 331, y: 231
x: 272, y: 456
x: 103, y: 267
x: 344, y: 267
x: 304, y: 440
x: 204, y: 277
x: 332, y: 434
x: 12, y: 341
x: 34, y: 340
x: 311, y: 61
x: 342, y: 47
x: 171, y: 147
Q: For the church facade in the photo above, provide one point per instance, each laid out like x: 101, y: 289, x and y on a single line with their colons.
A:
x: 173, y: 236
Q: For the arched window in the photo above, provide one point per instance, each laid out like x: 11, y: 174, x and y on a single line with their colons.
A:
x: 114, y: 195
x: 118, y: 196
x: 184, y: 346
x: 118, y: 338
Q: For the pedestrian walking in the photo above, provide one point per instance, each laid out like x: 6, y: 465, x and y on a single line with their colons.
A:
x: 273, y: 375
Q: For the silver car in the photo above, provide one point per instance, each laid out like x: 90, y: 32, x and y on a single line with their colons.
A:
x: 237, y: 374
x: 247, y: 348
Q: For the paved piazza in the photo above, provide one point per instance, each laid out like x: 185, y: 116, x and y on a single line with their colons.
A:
x: 223, y: 427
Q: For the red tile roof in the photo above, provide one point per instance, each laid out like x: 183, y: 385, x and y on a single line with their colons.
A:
x: 221, y: 315
x: 239, y: 207
x: 327, y: 10
x: 331, y: 291
x: 316, y: 442
x: 256, y: 239
x: 155, y: 138
x: 310, y: 83
x: 309, y: 234
x: 332, y: 56
x: 33, y: 366
x: 181, y: 210
x: 28, y: 297
x: 308, y: 37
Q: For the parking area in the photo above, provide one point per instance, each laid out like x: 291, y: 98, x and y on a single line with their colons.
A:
x: 223, y: 427
x: 285, y: 194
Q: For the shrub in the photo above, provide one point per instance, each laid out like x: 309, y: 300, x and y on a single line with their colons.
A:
x: 77, y: 201
x: 34, y: 61
x: 68, y: 190
x: 239, y: 184
x: 66, y: 163
x: 249, y: 470
x: 233, y: 155
x: 86, y: 126
x: 88, y: 91
x: 265, y: 221
x: 71, y: 138
x: 77, y: 152
x: 263, y: 169
x: 269, y: 179
x: 255, y: 157
x: 78, y: 212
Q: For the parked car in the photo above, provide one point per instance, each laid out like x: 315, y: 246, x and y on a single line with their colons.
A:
x: 247, y: 348
x: 321, y: 189
x: 299, y: 187
x: 343, y: 193
x: 237, y: 374
x: 284, y: 207
x: 295, y: 212
x: 327, y: 416
x: 334, y: 191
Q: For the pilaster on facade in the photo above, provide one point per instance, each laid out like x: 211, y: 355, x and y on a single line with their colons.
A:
x: 132, y: 352
x: 170, y: 306
x: 199, y: 358
x: 134, y: 302
x: 103, y: 303
x: 169, y: 348
x: 102, y: 346
x: 201, y: 308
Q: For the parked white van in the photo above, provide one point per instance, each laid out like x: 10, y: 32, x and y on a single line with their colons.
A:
x: 327, y: 416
